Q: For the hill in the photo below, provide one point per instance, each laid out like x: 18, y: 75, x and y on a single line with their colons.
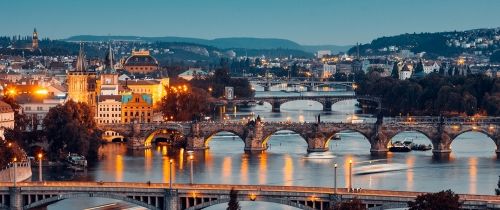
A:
x: 476, y: 41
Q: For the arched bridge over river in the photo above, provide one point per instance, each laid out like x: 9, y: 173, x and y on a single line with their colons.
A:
x: 37, y: 195
x: 255, y: 134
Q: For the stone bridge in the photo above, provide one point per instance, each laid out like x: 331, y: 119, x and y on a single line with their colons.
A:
x: 326, y: 100
x: 309, y: 85
x: 196, y: 135
x: 156, y: 196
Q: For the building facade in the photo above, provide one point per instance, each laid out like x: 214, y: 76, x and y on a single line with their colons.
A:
x: 141, y: 62
x: 137, y: 107
x: 6, y: 118
x: 81, y: 82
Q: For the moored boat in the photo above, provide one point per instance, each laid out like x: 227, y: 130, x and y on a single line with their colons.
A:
x: 76, y: 162
x: 399, y: 147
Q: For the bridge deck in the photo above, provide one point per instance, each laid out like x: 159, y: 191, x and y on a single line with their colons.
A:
x: 91, y: 186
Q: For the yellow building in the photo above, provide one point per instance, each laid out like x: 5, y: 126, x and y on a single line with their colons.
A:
x: 82, y: 83
x: 156, y: 88
x: 137, y: 107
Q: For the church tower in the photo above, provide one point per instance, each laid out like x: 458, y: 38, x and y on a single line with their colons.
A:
x: 34, y: 43
x: 82, y: 82
x: 108, y: 80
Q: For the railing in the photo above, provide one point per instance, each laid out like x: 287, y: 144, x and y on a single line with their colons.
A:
x: 445, y: 120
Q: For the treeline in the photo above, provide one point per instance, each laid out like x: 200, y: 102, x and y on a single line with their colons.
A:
x: 433, y: 94
x: 217, y: 82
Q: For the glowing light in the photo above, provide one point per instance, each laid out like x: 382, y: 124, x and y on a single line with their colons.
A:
x: 42, y: 92
x: 40, y: 155
x: 252, y: 197
x: 14, y: 159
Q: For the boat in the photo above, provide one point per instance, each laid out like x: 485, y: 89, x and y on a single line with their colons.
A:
x: 379, y: 168
x: 399, y: 147
x: 421, y: 147
x: 76, y: 162
x: 319, y: 155
x: 336, y: 136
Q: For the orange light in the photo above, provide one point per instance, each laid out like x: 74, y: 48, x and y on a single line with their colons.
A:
x: 171, y: 161
x: 253, y: 197
x: 42, y: 92
x: 350, y: 161
x: 15, y: 159
x: 12, y: 92
x: 191, y: 157
x: 40, y: 155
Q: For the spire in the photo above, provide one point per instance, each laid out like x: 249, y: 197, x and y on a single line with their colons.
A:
x: 81, y: 63
x: 108, y: 61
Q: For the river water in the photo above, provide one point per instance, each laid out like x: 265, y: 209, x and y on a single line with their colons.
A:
x: 473, y: 167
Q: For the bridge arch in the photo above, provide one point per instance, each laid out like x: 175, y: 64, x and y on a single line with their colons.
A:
x: 308, y: 101
x: 332, y: 135
x: 269, y: 134
x: 210, y: 136
x: 60, y: 197
x: 112, y: 136
x: 164, y: 133
x: 247, y: 198
x: 495, y: 139
x: 427, y: 134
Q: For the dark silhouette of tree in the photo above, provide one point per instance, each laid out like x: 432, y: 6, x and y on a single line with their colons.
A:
x: 450, y: 71
x: 456, y: 72
x: 354, y: 204
x: 420, y: 67
x: 72, y: 128
x: 184, y: 103
x: 233, y: 200
x: 436, y: 201
x: 497, y: 190
x: 395, y: 71
x: 441, y: 70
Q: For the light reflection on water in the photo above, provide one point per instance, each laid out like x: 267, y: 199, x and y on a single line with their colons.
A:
x: 473, y: 167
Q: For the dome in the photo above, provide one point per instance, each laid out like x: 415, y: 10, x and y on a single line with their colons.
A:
x: 141, y: 58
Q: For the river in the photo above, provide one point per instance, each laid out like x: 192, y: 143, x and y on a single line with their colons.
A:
x: 473, y: 167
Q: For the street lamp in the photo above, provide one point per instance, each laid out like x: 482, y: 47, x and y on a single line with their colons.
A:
x: 335, y: 179
x: 170, y: 180
x: 15, y: 166
x: 350, y: 176
x: 40, y: 156
x: 191, y: 160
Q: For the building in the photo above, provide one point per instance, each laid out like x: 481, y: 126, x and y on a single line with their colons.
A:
x: 141, y: 62
x: 6, y: 118
x: 328, y: 70
x: 37, y: 108
x: 34, y: 42
x: 109, y: 109
x: 321, y: 53
x: 405, y: 73
x: 108, y: 79
x: 82, y: 82
x: 137, y: 107
x: 155, y: 88
x: 430, y: 67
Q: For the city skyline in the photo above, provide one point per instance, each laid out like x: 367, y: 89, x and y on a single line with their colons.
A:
x: 321, y: 22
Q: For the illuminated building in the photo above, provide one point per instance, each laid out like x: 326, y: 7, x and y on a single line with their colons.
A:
x: 137, y: 107
x: 141, y: 62
x: 6, y: 118
x: 81, y: 82
x: 109, y: 109
x: 108, y: 79
x: 156, y: 88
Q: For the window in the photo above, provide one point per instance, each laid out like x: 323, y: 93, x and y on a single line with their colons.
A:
x: 39, y: 108
x: 125, y: 114
x: 28, y: 108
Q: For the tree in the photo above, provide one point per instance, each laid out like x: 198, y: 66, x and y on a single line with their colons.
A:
x: 354, y: 204
x: 395, y: 71
x: 441, y: 71
x: 436, y: 201
x: 450, y: 71
x: 497, y: 190
x: 72, y: 128
x: 183, y: 103
x: 233, y: 200
x: 420, y: 67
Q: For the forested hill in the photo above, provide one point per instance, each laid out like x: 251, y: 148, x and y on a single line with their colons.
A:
x: 484, y: 41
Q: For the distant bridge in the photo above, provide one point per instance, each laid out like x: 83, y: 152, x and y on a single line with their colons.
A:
x: 307, y: 83
x: 255, y: 134
x: 326, y: 100
x: 155, y: 196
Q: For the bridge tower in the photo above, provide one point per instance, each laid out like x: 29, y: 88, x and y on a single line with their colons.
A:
x: 255, y: 137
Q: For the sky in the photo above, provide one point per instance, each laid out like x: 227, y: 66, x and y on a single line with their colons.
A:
x: 311, y: 22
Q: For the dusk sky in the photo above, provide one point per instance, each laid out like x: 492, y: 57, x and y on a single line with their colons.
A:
x: 304, y: 21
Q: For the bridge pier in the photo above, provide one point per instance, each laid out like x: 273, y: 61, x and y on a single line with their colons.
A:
x: 267, y: 88
x: 310, y: 89
x: 16, y: 200
x: 171, y: 200
x: 327, y: 106
x: 316, y: 143
x: 276, y: 106
x: 441, y: 154
x: 196, y: 143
